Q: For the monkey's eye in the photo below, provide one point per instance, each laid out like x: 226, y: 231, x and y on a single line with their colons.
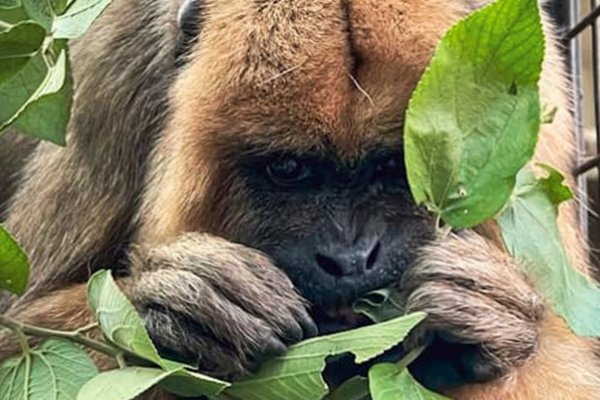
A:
x: 390, y: 166
x: 391, y: 172
x: 286, y: 171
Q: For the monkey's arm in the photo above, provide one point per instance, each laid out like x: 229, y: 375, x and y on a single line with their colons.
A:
x: 563, y: 366
x: 480, y: 303
x: 205, y: 300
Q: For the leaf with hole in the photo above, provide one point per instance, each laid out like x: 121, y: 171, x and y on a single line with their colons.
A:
x: 297, y: 374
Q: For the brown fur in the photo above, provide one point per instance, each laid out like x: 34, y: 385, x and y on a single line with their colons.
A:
x: 14, y: 152
x: 284, y: 74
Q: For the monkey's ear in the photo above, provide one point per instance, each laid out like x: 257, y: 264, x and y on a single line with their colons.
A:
x: 189, y: 21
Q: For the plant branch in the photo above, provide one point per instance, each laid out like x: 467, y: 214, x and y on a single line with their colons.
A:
x: 76, y: 336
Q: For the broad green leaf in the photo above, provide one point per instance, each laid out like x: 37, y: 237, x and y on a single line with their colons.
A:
x: 185, y: 383
x: 78, y: 17
x: 379, y: 305
x: 14, y: 266
x: 128, y: 383
x: 553, y: 185
x: 17, y: 46
x: 37, y: 99
x: 356, y: 388
x: 122, y: 326
x: 60, y: 6
x: 297, y: 374
x: 53, y: 371
x: 393, y: 382
x: 47, y: 115
x: 40, y: 11
x: 118, y: 319
x: 531, y: 235
x: 9, y: 3
x: 473, y: 120
x: 12, y: 15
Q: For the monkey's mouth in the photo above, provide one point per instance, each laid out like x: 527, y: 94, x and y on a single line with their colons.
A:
x: 338, y: 319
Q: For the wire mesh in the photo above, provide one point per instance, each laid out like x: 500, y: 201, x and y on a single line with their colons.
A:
x: 580, y: 22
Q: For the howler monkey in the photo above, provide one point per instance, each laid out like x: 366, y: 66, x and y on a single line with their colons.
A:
x: 239, y: 165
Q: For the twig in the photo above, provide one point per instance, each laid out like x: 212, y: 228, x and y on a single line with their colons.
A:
x: 76, y: 336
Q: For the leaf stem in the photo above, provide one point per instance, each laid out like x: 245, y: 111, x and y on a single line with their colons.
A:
x: 411, y: 356
x: 23, y: 341
x: 5, y: 25
x: 76, y: 336
x: 86, y: 329
x: 121, y: 360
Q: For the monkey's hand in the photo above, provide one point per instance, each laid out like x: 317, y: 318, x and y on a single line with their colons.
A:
x: 483, y: 316
x: 220, y: 304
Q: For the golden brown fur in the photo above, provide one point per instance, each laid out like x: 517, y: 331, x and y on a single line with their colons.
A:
x: 283, y: 74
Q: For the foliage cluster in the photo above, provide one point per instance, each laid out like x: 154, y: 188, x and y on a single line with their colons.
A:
x: 470, y: 133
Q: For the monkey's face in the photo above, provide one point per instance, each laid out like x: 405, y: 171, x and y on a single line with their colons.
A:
x: 289, y: 117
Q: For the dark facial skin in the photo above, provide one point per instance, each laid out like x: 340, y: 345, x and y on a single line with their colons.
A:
x: 339, y: 229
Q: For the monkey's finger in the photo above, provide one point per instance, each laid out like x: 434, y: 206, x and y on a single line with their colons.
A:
x: 308, y: 324
x: 291, y: 333
x: 273, y: 347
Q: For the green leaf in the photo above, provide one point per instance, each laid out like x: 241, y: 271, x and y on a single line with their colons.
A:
x: 78, y: 18
x: 123, y: 327
x: 118, y: 319
x: 60, y: 6
x: 18, y: 45
x: 130, y: 382
x: 47, y: 115
x: 380, y: 305
x: 356, y: 388
x: 531, y: 235
x: 553, y: 185
x: 9, y: 3
x: 14, y: 266
x: 40, y: 11
x: 53, y: 371
x: 297, y: 374
x: 393, y: 382
x: 473, y: 120
x: 12, y: 15
x: 185, y: 383
x: 37, y: 99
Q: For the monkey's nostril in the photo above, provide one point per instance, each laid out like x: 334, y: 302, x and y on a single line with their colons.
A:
x: 373, y: 255
x: 329, y: 265
x: 340, y: 261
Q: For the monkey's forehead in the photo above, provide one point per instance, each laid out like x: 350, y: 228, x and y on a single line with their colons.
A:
x: 306, y: 72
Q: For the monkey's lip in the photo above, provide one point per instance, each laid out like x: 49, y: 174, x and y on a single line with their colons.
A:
x: 338, y: 319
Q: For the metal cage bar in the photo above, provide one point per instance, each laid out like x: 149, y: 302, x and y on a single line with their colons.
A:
x: 577, y: 24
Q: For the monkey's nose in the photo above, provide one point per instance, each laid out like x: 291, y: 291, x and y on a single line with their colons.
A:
x: 339, y: 260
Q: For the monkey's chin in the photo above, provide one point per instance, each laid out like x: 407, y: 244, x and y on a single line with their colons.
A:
x: 338, y: 319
